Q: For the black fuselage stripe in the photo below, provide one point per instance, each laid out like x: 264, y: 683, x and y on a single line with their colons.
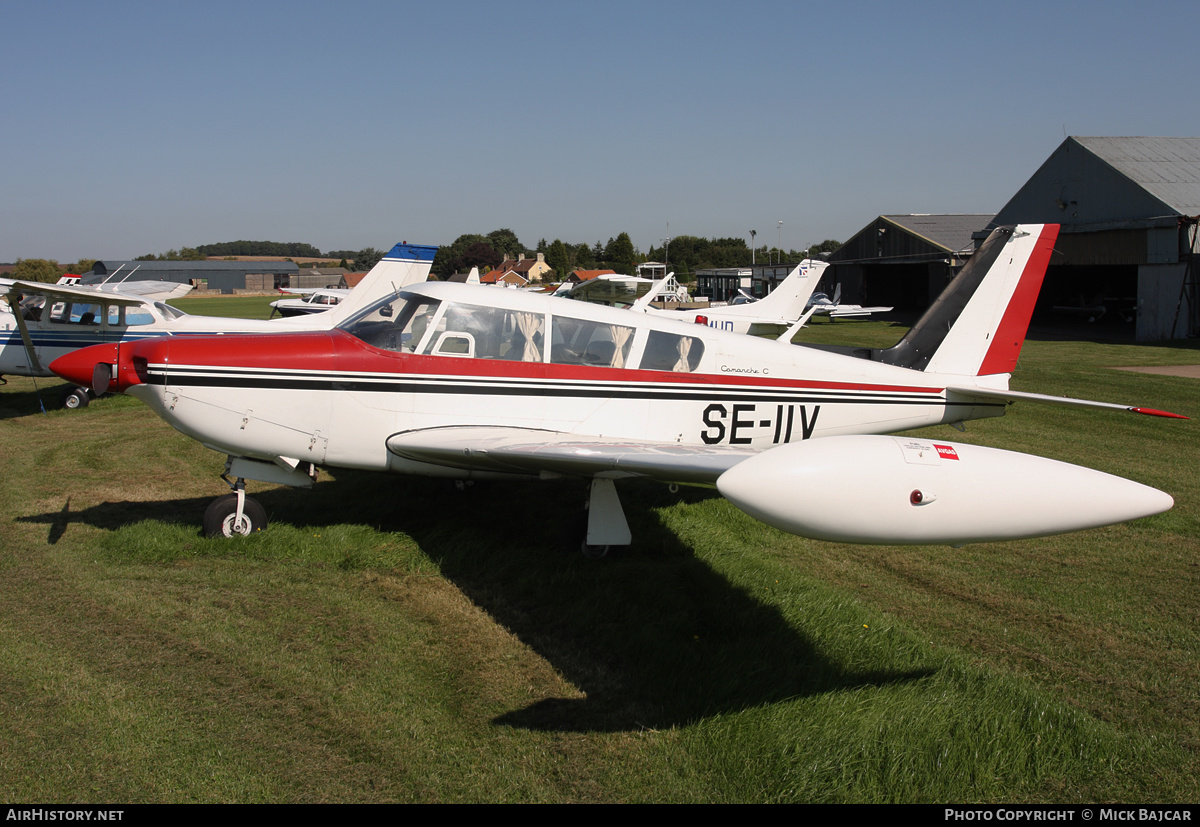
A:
x: 431, y: 386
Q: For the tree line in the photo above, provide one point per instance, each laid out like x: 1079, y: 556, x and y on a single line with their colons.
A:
x: 685, y: 254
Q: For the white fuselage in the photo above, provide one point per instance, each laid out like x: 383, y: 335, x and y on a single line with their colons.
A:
x: 334, y: 399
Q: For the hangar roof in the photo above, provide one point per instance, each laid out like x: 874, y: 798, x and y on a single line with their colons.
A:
x: 1167, y: 168
x: 912, y: 238
x: 1111, y: 183
x: 950, y: 232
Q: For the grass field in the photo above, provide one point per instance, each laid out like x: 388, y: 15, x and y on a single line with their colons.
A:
x: 391, y: 639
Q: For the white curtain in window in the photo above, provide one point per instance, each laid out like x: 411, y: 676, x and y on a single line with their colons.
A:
x: 620, y: 336
x: 529, y: 324
x: 685, y: 347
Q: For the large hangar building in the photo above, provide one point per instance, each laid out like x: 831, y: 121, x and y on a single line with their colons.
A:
x: 1128, y: 209
x: 1125, y: 257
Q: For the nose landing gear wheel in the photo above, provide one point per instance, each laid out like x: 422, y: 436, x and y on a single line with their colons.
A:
x: 220, y: 519
x: 75, y: 398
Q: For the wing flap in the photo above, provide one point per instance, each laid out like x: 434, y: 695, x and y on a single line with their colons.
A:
x: 532, y: 451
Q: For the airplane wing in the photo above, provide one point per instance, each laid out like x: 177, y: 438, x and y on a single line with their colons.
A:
x: 160, y: 291
x: 65, y: 292
x: 846, y: 311
x: 802, y: 487
x: 532, y: 451
x: 308, y: 291
x: 769, y: 328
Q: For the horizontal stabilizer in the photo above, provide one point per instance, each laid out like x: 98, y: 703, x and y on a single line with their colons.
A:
x: 1066, y: 401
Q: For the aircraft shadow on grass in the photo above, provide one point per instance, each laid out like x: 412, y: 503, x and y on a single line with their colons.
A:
x: 653, y: 639
x: 15, y: 403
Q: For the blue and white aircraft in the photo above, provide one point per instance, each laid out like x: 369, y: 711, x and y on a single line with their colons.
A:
x: 43, y: 322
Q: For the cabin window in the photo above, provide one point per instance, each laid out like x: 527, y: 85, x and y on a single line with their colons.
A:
x: 131, y: 316
x: 136, y: 316
x: 580, y: 342
x: 398, y: 325
x: 77, y: 313
x: 671, y: 351
x: 496, y: 333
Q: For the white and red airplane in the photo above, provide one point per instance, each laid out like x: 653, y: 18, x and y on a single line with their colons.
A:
x: 458, y: 381
x: 45, y: 321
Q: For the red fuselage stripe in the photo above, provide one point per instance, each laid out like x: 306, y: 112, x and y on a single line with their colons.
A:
x: 320, y: 352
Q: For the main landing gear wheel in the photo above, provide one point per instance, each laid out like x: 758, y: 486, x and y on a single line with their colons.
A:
x: 220, y: 517
x: 597, y: 552
x: 75, y: 398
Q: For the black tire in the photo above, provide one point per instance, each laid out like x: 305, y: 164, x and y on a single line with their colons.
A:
x: 75, y: 398
x: 218, y: 517
x: 596, y: 552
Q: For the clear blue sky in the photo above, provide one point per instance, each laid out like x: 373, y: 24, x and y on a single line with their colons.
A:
x: 135, y: 128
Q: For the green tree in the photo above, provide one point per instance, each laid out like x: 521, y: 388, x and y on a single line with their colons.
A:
x: 366, y: 258
x: 45, y: 270
x: 481, y: 254
x: 450, y: 258
x: 585, y: 259
x: 559, y: 258
x: 505, y: 243
x: 621, y: 254
x: 826, y: 246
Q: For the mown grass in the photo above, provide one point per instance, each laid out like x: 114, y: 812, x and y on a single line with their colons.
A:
x: 393, y: 640
x: 238, y: 307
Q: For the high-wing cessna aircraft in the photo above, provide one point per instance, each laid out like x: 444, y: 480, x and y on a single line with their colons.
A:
x: 71, y: 317
x: 453, y: 380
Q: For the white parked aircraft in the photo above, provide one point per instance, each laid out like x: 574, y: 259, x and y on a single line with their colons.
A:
x: 825, y: 306
x: 768, y: 316
x: 310, y: 301
x: 57, y: 319
x: 452, y: 380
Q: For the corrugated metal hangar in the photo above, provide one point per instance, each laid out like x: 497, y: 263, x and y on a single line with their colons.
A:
x: 225, y: 276
x: 1124, y: 257
x: 902, y: 261
x: 1128, y: 209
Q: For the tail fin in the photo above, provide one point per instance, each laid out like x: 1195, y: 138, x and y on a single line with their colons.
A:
x: 404, y: 264
x: 786, y: 302
x: 978, y: 324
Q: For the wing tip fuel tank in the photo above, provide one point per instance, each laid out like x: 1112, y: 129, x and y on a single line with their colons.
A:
x: 914, y: 491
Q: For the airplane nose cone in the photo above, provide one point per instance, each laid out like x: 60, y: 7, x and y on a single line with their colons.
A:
x: 79, y: 366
